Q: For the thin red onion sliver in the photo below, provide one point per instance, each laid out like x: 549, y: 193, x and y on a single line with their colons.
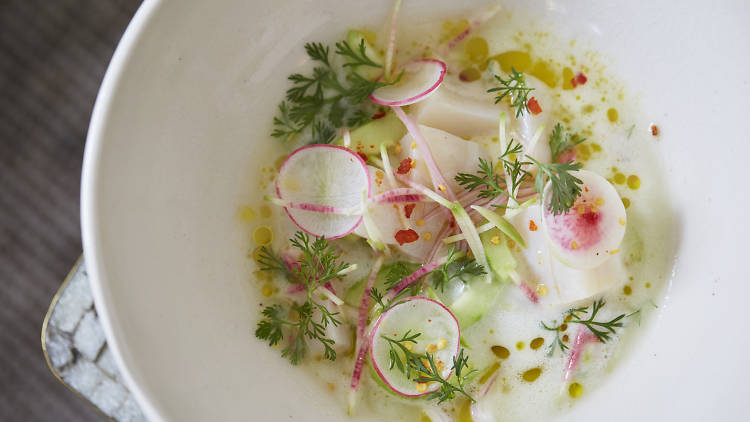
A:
x: 528, y: 292
x: 438, y: 242
x: 398, y: 195
x: 473, y: 26
x: 409, y: 280
x: 392, y: 39
x: 434, y: 170
x: 362, y: 323
x: 583, y: 336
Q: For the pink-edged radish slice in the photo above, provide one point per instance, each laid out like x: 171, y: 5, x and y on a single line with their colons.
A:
x: 438, y: 330
x: 330, y: 176
x: 592, y: 230
x: 420, y: 79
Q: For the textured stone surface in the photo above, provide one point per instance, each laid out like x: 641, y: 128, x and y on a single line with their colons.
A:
x: 129, y: 412
x: 109, y: 396
x: 83, y: 376
x: 59, y: 349
x: 89, y: 336
x: 77, y: 349
x: 107, y: 363
x: 71, y: 306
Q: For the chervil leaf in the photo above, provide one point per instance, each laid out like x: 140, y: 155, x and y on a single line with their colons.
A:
x: 317, y: 265
x: 560, y: 142
x: 566, y: 188
x: 456, y: 266
x: 328, y: 98
x: 421, y: 367
x: 515, y: 89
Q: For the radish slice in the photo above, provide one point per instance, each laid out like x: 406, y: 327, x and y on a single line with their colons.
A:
x: 328, y: 176
x: 438, y: 328
x: 420, y: 79
x: 538, y: 266
x: 592, y: 230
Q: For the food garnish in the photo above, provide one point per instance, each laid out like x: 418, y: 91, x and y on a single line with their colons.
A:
x: 317, y: 265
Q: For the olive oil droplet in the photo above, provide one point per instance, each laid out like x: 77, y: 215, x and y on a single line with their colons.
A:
x: 575, y: 390
x: 532, y: 374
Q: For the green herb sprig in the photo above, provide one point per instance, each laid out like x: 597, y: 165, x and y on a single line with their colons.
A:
x: 603, y: 330
x: 566, y: 188
x: 489, y: 181
x: 514, y: 87
x: 330, y: 97
x: 456, y: 266
x: 384, y: 305
x: 560, y: 142
x: 421, y: 367
x: 317, y: 265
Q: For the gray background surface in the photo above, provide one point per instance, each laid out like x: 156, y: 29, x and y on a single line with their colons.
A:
x: 53, y: 54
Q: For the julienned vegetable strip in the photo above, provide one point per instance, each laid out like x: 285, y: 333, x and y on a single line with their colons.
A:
x: 438, y: 242
x: 459, y: 237
x: 413, y: 277
x: 583, y: 336
x: 374, y: 237
x: 347, y: 138
x: 362, y: 345
x: 438, y: 180
x: 462, y: 219
x: 392, y: 39
x: 473, y: 26
x: 501, y: 223
x: 472, y: 237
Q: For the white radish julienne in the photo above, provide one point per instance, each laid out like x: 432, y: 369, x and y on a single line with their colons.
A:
x: 419, y: 79
x: 439, y: 331
x: 592, y: 229
x: 321, y: 188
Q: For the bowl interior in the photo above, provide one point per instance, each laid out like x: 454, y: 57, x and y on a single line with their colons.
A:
x: 180, y: 129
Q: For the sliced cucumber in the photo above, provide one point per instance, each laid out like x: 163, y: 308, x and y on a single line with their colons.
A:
x: 468, y: 301
x: 475, y: 301
x: 367, y: 138
x: 498, y: 253
x: 355, y: 38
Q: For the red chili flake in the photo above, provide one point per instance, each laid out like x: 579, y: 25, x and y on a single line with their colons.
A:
x: 378, y: 115
x: 362, y: 155
x: 654, y: 130
x: 532, y: 226
x: 533, y: 106
x: 408, y: 208
x: 404, y: 166
x: 406, y: 236
x: 579, y: 79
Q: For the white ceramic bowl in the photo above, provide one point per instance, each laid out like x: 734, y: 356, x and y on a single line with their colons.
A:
x: 178, y: 132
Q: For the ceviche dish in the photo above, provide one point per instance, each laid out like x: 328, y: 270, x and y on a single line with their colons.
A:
x: 466, y: 221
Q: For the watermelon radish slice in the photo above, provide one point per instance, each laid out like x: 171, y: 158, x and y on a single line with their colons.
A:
x: 440, y: 333
x: 420, y: 80
x: 332, y: 178
x: 591, y: 231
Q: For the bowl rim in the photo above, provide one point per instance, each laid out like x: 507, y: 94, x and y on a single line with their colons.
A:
x: 90, y: 233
